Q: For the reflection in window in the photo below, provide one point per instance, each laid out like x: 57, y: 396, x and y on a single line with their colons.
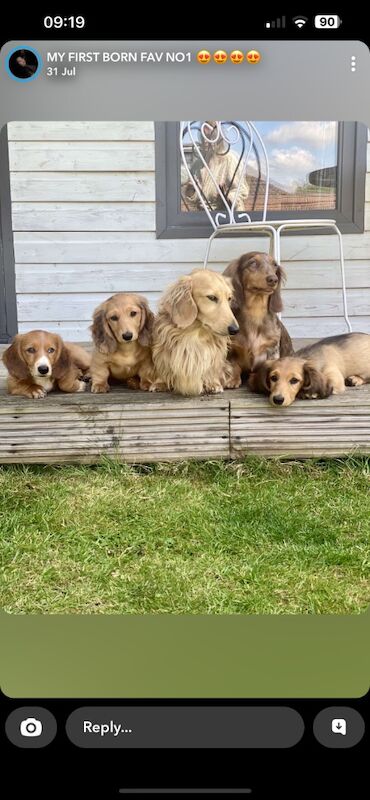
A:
x: 303, y: 168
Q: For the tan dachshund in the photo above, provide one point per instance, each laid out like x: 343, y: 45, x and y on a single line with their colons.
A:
x: 121, y: 332
x: 318, y: 370
x: 257, y: 280
x: 39, y: 361
x: 191, y: 335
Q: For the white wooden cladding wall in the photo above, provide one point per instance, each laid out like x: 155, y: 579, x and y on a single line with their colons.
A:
x: 83, y: 206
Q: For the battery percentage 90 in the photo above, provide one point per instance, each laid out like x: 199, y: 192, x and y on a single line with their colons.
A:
x: 325, y: 21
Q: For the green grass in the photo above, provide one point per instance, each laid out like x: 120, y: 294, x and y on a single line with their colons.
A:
x: 258, y: 536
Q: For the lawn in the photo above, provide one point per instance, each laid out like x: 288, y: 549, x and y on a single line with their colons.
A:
x: 258, y: 536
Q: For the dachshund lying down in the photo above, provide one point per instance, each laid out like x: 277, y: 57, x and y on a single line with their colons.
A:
x: 318, y: 370
x: 38, y: 362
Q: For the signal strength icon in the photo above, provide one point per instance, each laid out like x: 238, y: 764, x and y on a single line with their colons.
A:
x: 280, y: 22
x: 300, y: 21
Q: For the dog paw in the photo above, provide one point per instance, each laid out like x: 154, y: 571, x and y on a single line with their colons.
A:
x: 354, y: 380
x: 82, y: 386
x: 157, y: 386
x: 215, y: 388
x: 36, y: 393
x: 100, y: 388
x: 233, y: 383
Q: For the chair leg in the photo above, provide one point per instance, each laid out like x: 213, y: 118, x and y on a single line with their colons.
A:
x: 343, y: 275
x: 334, y: 227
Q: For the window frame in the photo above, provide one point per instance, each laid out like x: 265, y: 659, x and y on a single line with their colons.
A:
x: 172, y: 223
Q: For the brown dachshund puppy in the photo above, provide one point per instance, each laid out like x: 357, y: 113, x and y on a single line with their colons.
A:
x: 318, y: 370
x: 121, y: 332
x: 39, y: 361
x: 191, y: 335
x: 257, y: 280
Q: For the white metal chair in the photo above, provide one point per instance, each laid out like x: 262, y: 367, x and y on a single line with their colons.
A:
x: 208, y: 143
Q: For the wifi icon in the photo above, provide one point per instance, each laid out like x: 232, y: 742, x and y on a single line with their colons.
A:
x: 300, y: 21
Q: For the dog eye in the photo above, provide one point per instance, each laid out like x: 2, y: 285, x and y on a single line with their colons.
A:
x: 212, y: 297
x: 274, y: 378
x: 114, y: 318
x: 51, y: 349
x: 294, y: 380
x: 31, y: 349
x: 133, y: 313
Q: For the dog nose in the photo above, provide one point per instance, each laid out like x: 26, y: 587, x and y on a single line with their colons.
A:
x: 233, y: 329
x: 271, y: 280
x: 127, y: 336
x: 43, y: 369
x: 278, y: 399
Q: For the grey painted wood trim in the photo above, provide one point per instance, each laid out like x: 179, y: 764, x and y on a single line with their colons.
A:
x: 174, y: 224
x: 8, y: 303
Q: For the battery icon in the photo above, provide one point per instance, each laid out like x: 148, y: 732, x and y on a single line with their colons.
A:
x: 325, y: 21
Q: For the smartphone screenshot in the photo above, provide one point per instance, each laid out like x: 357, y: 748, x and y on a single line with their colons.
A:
x: 185, y: 405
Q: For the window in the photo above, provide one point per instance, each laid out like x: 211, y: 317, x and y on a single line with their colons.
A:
x: 317, y: 170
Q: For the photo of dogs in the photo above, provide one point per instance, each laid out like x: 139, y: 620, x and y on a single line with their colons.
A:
x: 168, y: 289
x: 210, y: 331
x: 315, y: 371
x: 256, y: 280
x: 38, y: 362
x: 192, y: 332
x: 121, y: 332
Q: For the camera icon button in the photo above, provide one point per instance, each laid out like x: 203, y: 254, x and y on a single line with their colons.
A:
x: 31, y: 726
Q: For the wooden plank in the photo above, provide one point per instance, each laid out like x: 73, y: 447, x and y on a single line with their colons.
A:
x: 45, y: 131
x: 313, y: 302
x: 89, y: 186
x: 138, y: 427
x: 316, y: 327
x: 153, y: 276
x: 81, y: 156
x: 83, y: 217
x: 60, y: 306
x: 107, y: 248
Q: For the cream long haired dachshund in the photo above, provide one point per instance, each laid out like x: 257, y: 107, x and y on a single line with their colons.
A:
x: 121, y: 332
x: 40, y: 361
x: 318, y: 370
x: 191, y: 335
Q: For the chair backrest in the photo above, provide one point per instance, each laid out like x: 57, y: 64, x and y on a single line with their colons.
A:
x: 219, y: 160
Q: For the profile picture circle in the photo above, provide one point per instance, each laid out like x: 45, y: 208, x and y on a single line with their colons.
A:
x: 23, y: 64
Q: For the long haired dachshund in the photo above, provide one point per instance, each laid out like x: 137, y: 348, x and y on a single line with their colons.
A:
x: 38, y: 362
x: 257, y: 281
x: 191, y: 335
x: 121, y: 332
x: 318, y: 370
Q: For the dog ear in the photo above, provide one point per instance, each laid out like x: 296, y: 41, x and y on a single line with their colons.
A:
x: 315, y: 383
x: 180, y: 303
x: 101, y: 333
x: 259, y: 380
x: 235, y: 273
x: 13, y: 360
x: 275, y: 301
x: 146, y: 323
x: 286, y: 344
x: 63, y: 361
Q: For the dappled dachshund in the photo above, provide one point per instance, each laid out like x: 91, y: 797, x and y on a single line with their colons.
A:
x: 316, y: 371
x: 38, y: 362
x: 121, y: 332
x: 191, y: 335
x: 257, y: 280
